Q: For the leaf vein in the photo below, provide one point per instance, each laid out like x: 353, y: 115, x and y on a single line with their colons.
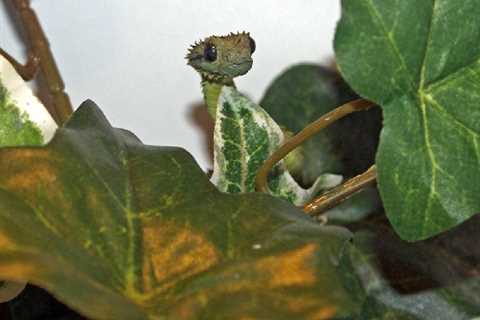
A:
x: 443, y: 111
x: 431, y: 155
x: 443, y: 82
x: 376, y: 16
x: 243, y: 164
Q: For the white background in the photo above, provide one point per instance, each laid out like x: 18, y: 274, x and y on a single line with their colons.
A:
x: 128, y: 56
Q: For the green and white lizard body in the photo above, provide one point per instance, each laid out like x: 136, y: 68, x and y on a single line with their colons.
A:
x: 245, y: 135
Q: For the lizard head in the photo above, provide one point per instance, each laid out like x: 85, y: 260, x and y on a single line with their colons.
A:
x: 222, y: 58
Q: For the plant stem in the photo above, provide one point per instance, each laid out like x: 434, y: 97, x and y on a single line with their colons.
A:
x: 347, y: 188
x: 28, y: 70
x: 41, y: 56
x: 338, y: 194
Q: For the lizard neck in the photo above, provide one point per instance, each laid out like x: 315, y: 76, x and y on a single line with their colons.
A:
x: 211, y: 92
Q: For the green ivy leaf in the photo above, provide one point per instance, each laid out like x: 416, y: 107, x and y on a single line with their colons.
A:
x: 244, y: 137
x: 420, y: 61
x: 23, y: 118
x: 121, y: 230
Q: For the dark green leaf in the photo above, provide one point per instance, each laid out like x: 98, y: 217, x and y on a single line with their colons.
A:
x: 420, y: 61
x: 433, y: 279
x: 120, y: 230
x: 297, y: 97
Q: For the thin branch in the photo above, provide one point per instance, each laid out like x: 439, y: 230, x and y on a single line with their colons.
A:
x: 308, y: 132
x: 338, y: 194
x: 28, y: 70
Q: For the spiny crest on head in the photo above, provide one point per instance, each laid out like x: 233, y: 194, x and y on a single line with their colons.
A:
x: 193, y: 50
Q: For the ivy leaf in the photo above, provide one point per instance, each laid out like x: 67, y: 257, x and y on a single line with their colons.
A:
x: 23, y: 118
x: 120, y: 230
x: 244, y: 137
x: 420, y: 61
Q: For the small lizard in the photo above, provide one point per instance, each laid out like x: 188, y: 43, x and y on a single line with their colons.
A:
x: 245, y: 135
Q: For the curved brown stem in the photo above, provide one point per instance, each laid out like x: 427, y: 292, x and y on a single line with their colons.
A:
x: 306, y: 133
x: 41, y: 56
x: 338, y: 194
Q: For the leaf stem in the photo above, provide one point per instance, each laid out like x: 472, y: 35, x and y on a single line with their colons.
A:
x: 41, y: 57
x: 339, y: 193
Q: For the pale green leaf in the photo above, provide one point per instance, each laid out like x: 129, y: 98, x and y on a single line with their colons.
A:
x: 23, y: 118
x: 244, y: 137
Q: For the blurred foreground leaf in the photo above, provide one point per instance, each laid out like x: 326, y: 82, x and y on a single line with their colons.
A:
x: 120, y: 230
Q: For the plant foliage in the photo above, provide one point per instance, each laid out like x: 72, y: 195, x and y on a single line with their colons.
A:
x: 419, y: 60
x: 142, y: 229
x: 117, y: 229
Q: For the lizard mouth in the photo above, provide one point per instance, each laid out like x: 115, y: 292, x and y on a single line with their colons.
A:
x: 226, y: 73
x: 239, y: 68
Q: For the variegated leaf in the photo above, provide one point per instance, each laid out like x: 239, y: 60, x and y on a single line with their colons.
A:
x: 244, y: 137
x: 23, y: 118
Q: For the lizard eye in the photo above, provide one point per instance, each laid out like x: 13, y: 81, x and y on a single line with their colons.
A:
x: 210, y: 52
x: 252, y: 45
